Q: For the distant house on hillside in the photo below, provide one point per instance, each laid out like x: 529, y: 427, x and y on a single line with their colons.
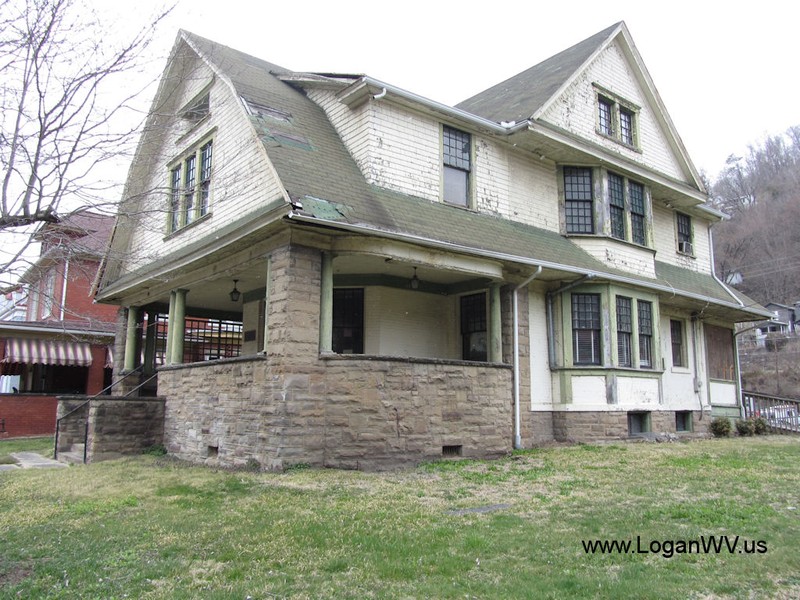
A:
x: 340, y: 272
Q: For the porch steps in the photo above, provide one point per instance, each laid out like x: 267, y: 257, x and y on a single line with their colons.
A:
x: 73, y: 455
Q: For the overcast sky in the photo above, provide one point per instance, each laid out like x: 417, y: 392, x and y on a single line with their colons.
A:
x: 727, y: 74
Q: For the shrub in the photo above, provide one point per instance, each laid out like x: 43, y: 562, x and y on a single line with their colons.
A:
x: 745, y: 427
x: 155, y: 450
x: 760, y: 426
x: 720, y: 427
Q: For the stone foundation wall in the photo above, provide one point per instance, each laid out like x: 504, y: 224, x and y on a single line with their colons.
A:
x: 72, y: 429
x: 385, y: 413
x: 593, y: 426
x: 357, y: 413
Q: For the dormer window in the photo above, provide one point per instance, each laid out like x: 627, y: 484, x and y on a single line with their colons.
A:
x: 616, y: 118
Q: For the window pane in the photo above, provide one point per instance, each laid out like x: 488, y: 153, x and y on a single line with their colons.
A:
x: 604, y: 116
x: 473, y: 327
x: 645, y: 310
x: 578, y: 200
x: 624, y: 330
x: 205, y: 177
x: 175, y: 198
x: 586, y: 328
x: 636, y: 201
x: 626, y: 126
x: 348, y: 321
x: 190, y: 178
x: 676, y: 333
x: 456, y: 186
x: 684, y: 228
x: 616, y: 199
x: 456, y: 148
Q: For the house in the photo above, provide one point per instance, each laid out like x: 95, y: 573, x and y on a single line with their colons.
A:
x: 327, y: 269
x: 62, y: 344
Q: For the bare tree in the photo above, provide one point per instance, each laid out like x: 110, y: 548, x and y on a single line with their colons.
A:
x: 65, y: 109
x: 758, y: 249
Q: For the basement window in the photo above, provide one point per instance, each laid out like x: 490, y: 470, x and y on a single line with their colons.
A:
x: 683, y: 420
x: 638, y: 423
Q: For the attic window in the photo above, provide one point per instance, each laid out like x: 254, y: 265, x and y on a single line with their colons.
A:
x: 616, y: 118
x: 197, y: 111
x: 261, y: 110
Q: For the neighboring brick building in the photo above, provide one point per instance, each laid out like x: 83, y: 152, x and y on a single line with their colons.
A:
x: 328, y: 269
x: 63, y: 346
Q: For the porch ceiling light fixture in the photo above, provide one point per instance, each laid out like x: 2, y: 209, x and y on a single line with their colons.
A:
x: 235, y: 293
x: 415, y: 280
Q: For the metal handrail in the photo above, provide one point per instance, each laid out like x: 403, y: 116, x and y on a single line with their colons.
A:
x: 88, y: 400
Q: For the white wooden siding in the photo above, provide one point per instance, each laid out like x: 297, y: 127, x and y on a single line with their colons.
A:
x: 241, y: 179
x: 619, y: 255
x: 665, y: 238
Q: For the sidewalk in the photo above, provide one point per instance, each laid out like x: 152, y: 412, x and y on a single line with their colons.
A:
x: 32, y: 460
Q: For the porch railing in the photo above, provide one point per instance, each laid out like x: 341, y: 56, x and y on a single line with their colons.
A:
x: 781, y: 414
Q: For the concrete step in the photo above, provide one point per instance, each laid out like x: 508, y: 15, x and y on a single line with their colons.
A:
x: 71, y: 457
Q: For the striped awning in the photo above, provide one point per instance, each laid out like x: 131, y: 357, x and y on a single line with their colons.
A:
x: 47, y: 352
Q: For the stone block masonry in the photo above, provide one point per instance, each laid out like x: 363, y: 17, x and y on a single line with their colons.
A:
x: 352, y: 413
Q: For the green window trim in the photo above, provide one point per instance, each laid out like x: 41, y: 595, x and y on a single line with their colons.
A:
x: 190, y: 186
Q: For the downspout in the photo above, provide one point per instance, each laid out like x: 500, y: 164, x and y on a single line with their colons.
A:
x: 697, y: 383
x: 515, y: 311
x: 551, y: 332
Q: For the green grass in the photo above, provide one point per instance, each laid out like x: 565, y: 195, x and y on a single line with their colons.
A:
x: 42, y: 445
x: 152, y: 527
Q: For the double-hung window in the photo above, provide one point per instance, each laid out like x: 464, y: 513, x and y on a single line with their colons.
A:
x: 586, y: 328
x: 625, y: 198
x: 636, y: 203
x: 578, y: 200
x: 190, y: 186
x: 624, y: 332
x: 645, y: 310
x: 684, y: 226
x: 456, y: 159
x: 616, y: 202
x: 678, y: 347
x: 616, y: 118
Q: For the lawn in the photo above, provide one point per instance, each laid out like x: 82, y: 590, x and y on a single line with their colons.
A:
x: 42, y: 445
x: 151, y: 527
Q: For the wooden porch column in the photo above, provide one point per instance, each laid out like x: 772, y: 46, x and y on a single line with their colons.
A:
x: 326, y: 304
x: 267, y: 292
x: 170, y: 328
x: 178, y: 326
x: 150, y: 343
x: 131, y: 339
x: 495, y: 325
